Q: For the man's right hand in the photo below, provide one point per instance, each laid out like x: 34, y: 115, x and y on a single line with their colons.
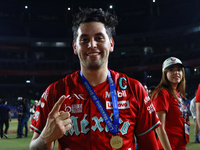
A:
x: 58, y: 123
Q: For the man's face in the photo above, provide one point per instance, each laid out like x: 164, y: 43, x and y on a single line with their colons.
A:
x: 93, y: 45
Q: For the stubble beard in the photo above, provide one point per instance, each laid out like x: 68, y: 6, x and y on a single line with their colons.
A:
x: 94, y: 65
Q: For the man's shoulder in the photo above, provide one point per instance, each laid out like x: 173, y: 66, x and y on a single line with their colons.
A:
x: 67, y: 79
x: 125, y: 78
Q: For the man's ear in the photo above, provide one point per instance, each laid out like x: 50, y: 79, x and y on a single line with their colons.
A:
x: 74, y: 47
x: 112, y: 43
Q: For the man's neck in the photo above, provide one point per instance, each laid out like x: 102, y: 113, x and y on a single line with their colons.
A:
x: 95, y: 77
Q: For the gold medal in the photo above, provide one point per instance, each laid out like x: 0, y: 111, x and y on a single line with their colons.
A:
x: 116, y: 142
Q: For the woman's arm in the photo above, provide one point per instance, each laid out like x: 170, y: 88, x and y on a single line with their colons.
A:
x: 161, y: 131
x: 147, y: 141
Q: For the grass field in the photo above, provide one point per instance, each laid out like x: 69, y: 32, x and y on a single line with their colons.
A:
x: 13, y: 143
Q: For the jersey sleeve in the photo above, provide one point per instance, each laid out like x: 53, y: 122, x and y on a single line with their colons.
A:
x: 198, y: 95
x: 41, y: 113
x: 150, y: 141
x: 147, y: 119
x: 161, y: 102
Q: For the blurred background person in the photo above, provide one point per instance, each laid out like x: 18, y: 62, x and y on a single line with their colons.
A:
x: 193, y: 112
x: 5, y: 117
x: 146, y: 88
x: 167, y: 98
x: 25, y: 117
x: 19, y: 115
x: 151, y: 89
x: 35, y: 104
x: 32, y: 111
x: 197, y: 100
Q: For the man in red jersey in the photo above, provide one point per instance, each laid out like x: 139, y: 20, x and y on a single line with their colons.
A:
x: 198, y: 106
x: 94, y: 108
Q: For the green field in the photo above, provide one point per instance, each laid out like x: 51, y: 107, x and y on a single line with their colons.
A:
x: 13, y: 143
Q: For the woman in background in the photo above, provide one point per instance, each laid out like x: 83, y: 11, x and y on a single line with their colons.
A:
x: 167, y: 98
x: 32, y: 111
x: 197, y: 101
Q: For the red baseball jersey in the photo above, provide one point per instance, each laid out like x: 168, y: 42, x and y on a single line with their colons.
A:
x: 137, y: 114
x: 175, y: 119
x: 198, y: 95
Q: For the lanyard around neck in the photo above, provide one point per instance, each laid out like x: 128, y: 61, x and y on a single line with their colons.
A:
x: 113, y: 127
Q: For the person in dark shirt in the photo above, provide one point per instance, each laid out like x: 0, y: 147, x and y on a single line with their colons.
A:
x: 25, y: 117
x: 19, y: 113
x: 5, y: 116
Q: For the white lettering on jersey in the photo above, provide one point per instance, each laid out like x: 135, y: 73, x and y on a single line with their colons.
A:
x: 85, y: 125
x: 146, y: 100
x: 36, y: 115
x: 39, y: 103
x: 121, y: 105
x: 68, y: 108
x: 45, y: 95
x: 119, y: 94
x: 42, y: 104
x: 150, y: 106
x: 78, y: 96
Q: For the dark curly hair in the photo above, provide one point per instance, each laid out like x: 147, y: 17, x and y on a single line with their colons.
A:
x: 95, y: 15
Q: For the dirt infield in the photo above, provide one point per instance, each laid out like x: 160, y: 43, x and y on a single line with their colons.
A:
x: 12, y: 132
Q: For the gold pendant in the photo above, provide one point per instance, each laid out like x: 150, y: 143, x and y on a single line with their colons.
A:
x: 116, y: 142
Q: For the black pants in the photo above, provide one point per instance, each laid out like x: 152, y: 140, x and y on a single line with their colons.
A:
x: 2, y: 122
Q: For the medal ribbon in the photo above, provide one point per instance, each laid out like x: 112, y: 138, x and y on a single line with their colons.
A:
x: 186, y: 119
x: 113, y: 127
